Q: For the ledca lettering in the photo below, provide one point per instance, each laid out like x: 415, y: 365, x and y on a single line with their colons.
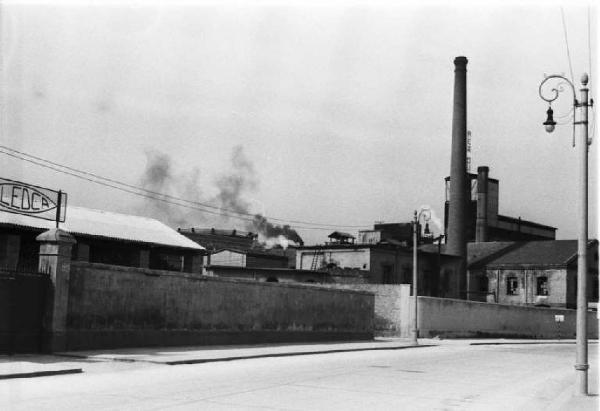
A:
x: 24, y: 199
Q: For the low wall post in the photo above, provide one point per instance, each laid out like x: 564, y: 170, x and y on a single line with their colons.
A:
x: 55, y: 259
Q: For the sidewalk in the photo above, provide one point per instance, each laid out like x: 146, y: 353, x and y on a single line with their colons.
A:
x: 32, y: 365
x: 204, y: 354
x: 38, y: 365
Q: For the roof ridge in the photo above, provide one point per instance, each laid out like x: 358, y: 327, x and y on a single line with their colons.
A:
x: 116, y: 213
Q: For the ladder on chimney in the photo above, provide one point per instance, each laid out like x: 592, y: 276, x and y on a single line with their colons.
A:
x: 315, y: 261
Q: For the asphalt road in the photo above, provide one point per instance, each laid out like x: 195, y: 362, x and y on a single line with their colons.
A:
x: 452, y: 376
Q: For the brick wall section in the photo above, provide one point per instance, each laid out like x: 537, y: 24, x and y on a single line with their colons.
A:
x: 111, y: 306
x: 392, y: 305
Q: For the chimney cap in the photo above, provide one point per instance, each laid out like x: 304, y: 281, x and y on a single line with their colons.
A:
x: 461, y: 60
x: 483, y: 169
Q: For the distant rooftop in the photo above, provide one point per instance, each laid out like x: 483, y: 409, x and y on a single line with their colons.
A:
x: 339, y: 235
x: 538, y: 253
x: 218, y: 232
x: 109, y: 225
x: 546, y: 253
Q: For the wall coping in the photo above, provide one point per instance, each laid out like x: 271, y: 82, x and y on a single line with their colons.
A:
x: 201, y: 277
x: 528, y: 307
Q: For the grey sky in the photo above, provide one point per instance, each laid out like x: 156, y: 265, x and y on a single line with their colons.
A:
x: 343, y: 111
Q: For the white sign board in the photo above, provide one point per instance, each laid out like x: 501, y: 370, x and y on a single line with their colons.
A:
x: 559, y: 318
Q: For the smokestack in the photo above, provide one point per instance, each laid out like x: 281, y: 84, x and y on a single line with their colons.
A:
x: 457, y: 227
x: 481, y: 227
x: 459, y: 189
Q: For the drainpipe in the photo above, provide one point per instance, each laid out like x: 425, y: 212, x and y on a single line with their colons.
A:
x: 497, y: 286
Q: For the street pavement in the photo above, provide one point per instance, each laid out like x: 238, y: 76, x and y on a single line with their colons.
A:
x: 384, y: 374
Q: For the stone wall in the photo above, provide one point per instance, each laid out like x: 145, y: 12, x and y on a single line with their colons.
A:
x: 111, y: 306
x: 450, y: 318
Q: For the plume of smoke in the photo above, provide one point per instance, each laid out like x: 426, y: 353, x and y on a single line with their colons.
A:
x: 433, y: 218
x: 239, y: 180
x: 277, y: 241
x: 159, y: 177
x: 272, y: 234
x: 235, y: 183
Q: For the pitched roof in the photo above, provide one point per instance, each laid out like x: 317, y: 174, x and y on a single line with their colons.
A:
x: 480, y: 253
x: 106, y: 224
x: 538, y: 253
x: 557, y: 253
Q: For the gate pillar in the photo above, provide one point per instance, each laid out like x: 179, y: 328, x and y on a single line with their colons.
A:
x: 55, y: 259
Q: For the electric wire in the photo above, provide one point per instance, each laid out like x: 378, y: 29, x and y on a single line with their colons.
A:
x: 96, y: 176
x: 562, y: 12
x: 150, y: 196
x: 589, y: 49
x: 591, y: 75
x: 139, y: 191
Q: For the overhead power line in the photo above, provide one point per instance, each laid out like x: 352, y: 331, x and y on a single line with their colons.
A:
x: 562, y: 13
x: 154, y: 195
x: 590, y: 48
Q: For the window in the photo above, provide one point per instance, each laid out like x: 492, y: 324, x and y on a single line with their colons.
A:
x: 114, y: 253
x: 512, y: 286
x: 483, y: 284
x: 542, y: 286
x: 164, y: 260
x: 388, y: 274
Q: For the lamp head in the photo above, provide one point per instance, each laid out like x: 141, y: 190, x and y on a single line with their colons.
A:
x: 550, y: 123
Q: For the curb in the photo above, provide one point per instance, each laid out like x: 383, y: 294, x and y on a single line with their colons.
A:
x: 287, y: 354
x: 247, y: 357
x: 40, y: 373
x: 529, y: 343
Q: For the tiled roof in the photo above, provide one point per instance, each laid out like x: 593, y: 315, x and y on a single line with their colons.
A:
x: 538, y: 253
x: 97, y: 223
x: 511, y: 253
x: 479, y: 252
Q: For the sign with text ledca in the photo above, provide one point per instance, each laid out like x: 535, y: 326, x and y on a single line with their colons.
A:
x: 39, y: 202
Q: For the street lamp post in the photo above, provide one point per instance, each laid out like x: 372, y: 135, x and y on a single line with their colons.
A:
x: 581, y: 365
x: 427, y: 213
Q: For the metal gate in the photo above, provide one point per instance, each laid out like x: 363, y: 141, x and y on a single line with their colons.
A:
x: 22, y: 306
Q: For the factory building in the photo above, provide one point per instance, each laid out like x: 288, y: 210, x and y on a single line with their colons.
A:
x: 102, y: 237
x: 379, y: 256
x: 502, y: 259
x: 484, y: 223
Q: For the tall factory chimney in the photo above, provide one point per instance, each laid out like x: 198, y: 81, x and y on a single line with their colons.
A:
x: 481, y: 224
x: 456, y: 243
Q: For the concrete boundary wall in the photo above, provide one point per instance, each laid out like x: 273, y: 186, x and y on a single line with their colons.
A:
x: 451, y: 318
x: 392, y: 310
x: 113, y: 306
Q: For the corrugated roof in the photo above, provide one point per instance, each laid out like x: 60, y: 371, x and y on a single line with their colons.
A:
x: 97, y: 223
